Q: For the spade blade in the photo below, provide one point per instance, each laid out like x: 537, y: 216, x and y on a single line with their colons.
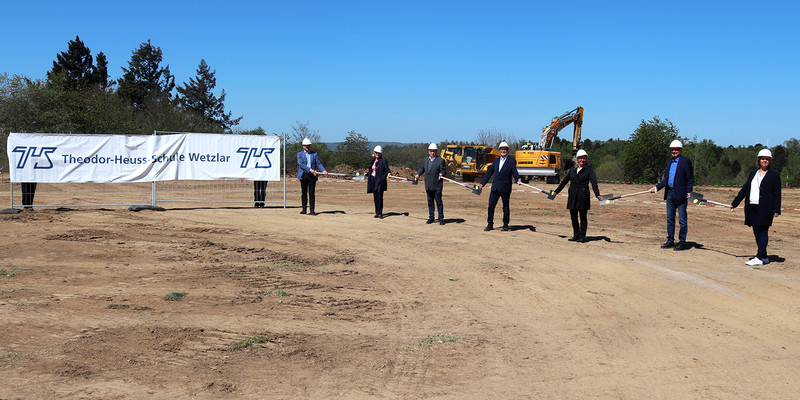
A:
x: 415, y: 182
x: 695, y: 198
x: 551, y: 195
x: 476, y: 190
x: 607, y: 199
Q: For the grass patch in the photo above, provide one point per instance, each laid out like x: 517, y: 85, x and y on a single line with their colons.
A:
x: 275, y: 293
x: 286, y: 266
x: 9, y: 272
x: 438, y: 338
x: 248, y: 342
x: 118, y: 306
x: 175, y: 296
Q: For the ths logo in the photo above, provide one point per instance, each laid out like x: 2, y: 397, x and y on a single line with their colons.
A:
x: 40, y: 154
x: 255, y: 153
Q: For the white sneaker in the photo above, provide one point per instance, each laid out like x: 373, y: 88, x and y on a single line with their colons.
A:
x: 755, y: 262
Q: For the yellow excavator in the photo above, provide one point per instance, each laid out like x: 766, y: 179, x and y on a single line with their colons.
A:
x: 468, y: 162
x: 539, y: 160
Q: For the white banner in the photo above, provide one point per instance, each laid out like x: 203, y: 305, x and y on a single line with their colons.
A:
x: 45, y: 157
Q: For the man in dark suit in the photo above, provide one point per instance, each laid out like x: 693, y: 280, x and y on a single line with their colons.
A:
x: 504, y: 168
x: 308, y: 166
x: 377, y: 176
x: 434, y: 169
x: 678, y: 183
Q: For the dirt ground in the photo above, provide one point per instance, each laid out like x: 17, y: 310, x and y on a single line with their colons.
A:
x: 279, y: 305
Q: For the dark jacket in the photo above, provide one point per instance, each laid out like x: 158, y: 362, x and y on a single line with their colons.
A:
x: 377, y: 183
x: 579, y: 196
x: 769, y: 199
x: 502, y: 178
x: 684, y: 179
x: 432, y: 169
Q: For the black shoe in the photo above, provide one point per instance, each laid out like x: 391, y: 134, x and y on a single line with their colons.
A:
x: 381, y: 216
x: 312, y: 213
x: 681, y: 246
x: 303, y: 212
x: 573, y: 239
x: 430, y: 220
x: 582, y: 240
x: 441, y: 222
x: 668, y: 244
x: 504, y: 228
x: 488, y: 227
x: 377, y: 216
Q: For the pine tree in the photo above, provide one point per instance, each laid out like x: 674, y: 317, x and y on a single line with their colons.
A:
x: 145, y: 80
x: 74, y: 70
x: 198, y: 96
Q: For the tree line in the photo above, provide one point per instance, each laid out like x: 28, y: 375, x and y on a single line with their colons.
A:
x: 640, y: 159
x: 78, y: 96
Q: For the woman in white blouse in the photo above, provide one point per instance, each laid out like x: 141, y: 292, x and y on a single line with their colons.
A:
x: 762, y: 200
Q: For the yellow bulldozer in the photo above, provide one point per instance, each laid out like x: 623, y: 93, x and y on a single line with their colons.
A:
x: 468, y: 162
x: 538, y: 160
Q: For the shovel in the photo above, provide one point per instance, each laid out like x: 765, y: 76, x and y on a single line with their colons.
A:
x: 413, y: 181
x: 475, y: 189
x: 609, y: 198
x: 550, y: 195
x: 697, y: 198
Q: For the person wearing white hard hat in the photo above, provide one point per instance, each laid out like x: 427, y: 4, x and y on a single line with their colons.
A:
x: 762, y: 203
x: 309, y: 167
x: 678, y: 184
x: 504, y: 170
x: 376, y: 180
x: 434, y: 169
x: 579, y: 199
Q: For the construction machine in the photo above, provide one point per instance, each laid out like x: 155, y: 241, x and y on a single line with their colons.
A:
x: 469, y: 162
x: 539, y: 160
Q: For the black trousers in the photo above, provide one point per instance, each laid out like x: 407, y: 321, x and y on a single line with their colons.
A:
x: 435, y: 196
x: 579, y: 229
x: 259, y: 193
x: 761, y: 233
x: 377, y: 197
x: 308, y: 187
x: 28, y: 190
x: 494, y: 197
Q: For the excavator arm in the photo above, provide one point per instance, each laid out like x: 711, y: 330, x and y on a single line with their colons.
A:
x: 550, y: 132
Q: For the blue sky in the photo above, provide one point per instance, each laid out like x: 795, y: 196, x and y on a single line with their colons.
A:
x: 421, y: 71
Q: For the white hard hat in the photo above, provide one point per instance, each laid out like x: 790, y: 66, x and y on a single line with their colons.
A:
x: 502, y: 144
x: 433, y: 146
x: 764, y: 153
x: 378, y: 149
x: 582, y: 153
x: 306, y: 142
x: 676, y: 144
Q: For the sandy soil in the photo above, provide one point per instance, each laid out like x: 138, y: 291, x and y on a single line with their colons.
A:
x: 280, y: 305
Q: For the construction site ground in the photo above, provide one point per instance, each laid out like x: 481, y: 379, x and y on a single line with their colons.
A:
x: 278, y: 305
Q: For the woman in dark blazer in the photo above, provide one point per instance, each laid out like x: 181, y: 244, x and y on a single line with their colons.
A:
x: 762, y: 203
x: 579, y: 200
x: 376, y: 180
